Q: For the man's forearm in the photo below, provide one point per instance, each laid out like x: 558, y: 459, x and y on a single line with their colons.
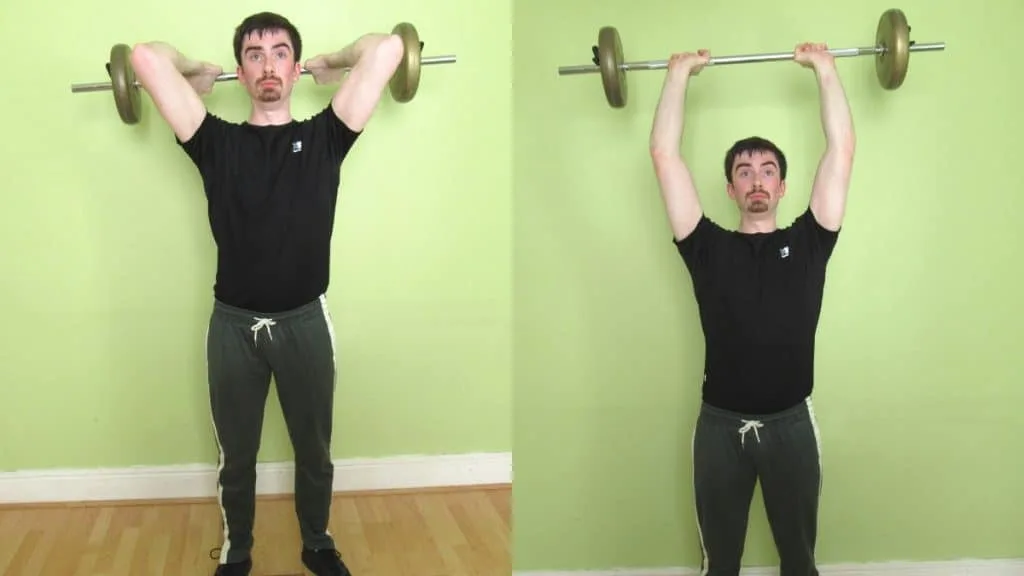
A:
x: 348, y: 56
x: 667, y: 130
x: 836, y: 119
x: 181, y: 62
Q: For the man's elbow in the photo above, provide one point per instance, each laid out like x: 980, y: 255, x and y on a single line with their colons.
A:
x: 848, y: 144
x: 847, y: 152
x: 660, y: 153
x: 844, y: 143
x: 839, y: 155
x: 142, y: 59
x: 387, y: 54
x: 664, y: 159
x: 149, y: 64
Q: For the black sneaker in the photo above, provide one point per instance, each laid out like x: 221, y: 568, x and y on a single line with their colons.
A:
x: 235, y: 568
x: 325, y: 562
x: 242, y: 568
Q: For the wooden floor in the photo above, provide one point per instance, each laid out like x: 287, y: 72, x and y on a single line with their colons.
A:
x: 454, y: 532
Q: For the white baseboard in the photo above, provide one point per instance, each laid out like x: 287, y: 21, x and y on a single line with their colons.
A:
x: 199, y: 480
x: 1010, y: 567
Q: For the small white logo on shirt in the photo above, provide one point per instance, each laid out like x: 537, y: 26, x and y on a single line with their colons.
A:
x: 784, y: 252
x: 297, y: 146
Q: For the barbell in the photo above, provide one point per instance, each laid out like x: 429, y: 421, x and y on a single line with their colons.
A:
x: 891, y: 50
x: 403, y: 85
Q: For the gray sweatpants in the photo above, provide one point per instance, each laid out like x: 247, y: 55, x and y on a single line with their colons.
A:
x: 244, y: 349
x: 730, y: 453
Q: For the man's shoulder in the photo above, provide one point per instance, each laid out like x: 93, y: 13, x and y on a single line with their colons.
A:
x: 327, y: 120
x: 214, y: 119
x: 806, y: 220
x: 317, y: 117
x: 806, y: 226
x: 216, y: 126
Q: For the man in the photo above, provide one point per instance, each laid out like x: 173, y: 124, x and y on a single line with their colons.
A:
x: 759, y: 292
x: 271, y: 185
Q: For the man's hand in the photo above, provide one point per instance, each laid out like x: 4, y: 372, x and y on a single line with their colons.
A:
x: 332, y: 66
x: 324, y: 70
x: 203, y: 76
x: 815, y: 56
x: 687, y: 64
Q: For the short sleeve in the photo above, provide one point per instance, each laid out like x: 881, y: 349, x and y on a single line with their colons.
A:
x: 697, y: 248
x: 206, y: 147
x: 820, y: 241
x: 333, y: 134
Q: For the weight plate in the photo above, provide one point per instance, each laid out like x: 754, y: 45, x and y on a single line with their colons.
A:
x: 893, y: 35
x: 122, y: 78
x: 613, y: 77
x: 406, y: 80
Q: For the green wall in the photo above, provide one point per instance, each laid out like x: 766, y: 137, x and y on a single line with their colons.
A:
x: 108, y: 260
x: 918, y: 369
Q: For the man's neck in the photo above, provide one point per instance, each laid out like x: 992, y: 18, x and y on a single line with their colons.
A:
x: 757, y: 223
x: 272, y: 115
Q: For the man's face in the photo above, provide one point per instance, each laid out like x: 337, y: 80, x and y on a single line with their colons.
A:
x: 268, y: 68
x: 756, y: 183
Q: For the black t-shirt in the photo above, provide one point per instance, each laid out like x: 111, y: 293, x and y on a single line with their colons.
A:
x: 759, y: 297
x: 271, y: 193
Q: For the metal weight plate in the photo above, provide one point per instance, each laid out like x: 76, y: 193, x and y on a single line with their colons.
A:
x: 893, y: 34
x: 407, y: 78
x: 122, y: 78
x: 613, y: 77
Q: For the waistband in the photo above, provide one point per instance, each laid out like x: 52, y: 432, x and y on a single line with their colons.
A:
x: 316, y: 307
x: 801, y: 410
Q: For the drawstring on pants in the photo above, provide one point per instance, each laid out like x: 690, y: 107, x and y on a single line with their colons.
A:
x: 749, y: 425
x: 260, y: 324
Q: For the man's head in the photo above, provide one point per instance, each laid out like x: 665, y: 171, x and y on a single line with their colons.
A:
x: 268, y: 50
x: 755, y: 170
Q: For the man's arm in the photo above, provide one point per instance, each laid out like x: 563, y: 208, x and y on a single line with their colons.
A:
x: 373, y: 59
x: 162, y: 71
x: 832, y: 181
x: 678, y: 191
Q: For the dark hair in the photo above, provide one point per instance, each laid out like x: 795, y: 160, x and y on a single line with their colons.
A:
x: 262, y: 23
x: 749, y: 146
